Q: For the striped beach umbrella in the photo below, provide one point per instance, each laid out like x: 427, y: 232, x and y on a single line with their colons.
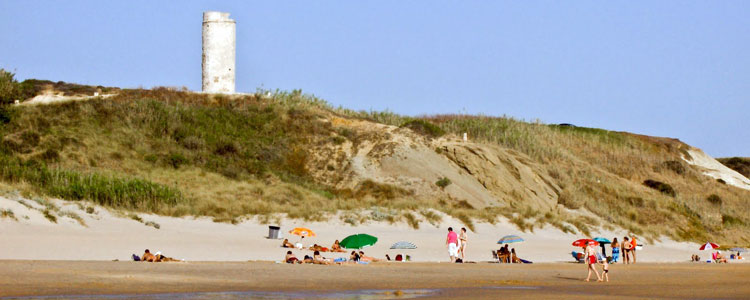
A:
x: 709, y: 246
x: 403, y: 245
x: 510, y: 239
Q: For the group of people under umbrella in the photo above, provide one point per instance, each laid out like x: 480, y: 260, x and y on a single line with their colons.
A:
x: 717, y: 256
x: 355, y: 241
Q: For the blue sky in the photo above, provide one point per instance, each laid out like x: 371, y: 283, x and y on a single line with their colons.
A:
x: 665, y: 68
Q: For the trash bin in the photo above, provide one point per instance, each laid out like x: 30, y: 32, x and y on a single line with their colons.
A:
x: 273, y: 232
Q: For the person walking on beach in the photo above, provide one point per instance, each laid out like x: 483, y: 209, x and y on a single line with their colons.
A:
x: 591, y: 260
x: 452, y: 242
x: 462, y: 238
x: 615, y: 250
x: 633, y: 245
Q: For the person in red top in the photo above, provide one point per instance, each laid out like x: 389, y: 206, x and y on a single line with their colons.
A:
x: 452, y: 242
x: 633, y: 244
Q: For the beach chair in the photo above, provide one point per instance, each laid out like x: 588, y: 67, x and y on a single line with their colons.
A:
x: 494, y: 256
x: 578, y: 256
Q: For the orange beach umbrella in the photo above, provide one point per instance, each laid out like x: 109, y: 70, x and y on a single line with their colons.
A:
x: 302, y: 231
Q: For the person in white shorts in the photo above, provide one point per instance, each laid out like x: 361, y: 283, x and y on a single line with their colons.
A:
x: 452, y: 242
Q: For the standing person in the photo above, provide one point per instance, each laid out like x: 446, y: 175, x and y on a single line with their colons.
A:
x: 626, y: 247
x: 462, y: 238
x: 634, y: 244
x: 452, y: 242
x: 615, y: 250
x: 591, y: 260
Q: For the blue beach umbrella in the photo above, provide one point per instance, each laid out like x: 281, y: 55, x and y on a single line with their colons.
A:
x: 510, y: 239
x: 602, y: 241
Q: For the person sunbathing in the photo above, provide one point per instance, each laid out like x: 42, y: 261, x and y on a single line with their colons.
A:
x: 162, y: 258
x: 287, y: 244
x: 307, y: 260
x: 320, y: 260
x: 720, y: 258
x: 513, y: 258
x: 147, y: 256
x: 354, y: 257
x: 337, y: 247
x: 366, y: 258
x: 316, y: 247
x: 291, y: 259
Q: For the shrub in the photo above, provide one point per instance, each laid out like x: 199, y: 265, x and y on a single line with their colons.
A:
x: 674, y: 166
x: 412, y: 220
x: 443, y: 182
x: 152, y: 224
x: 49, y: 216
x: 728, y: 220
x: 714, y: 199
x: 225, y: 148
x: 8, y: 87
x: 89, y: 210
x: 424, y: 128
x: 660, y: 186
x: 176, y: 160
x: 50, y: 155
x: 7, y: 213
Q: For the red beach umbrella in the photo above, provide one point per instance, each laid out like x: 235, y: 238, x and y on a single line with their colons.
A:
x: 584, y: 242
x: 709, y: 246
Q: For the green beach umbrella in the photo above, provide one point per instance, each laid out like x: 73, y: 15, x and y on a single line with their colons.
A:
x: 358, y: 241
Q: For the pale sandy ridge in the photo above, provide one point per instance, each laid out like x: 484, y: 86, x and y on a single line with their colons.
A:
x: 109, y: 235
x: 713, y: 168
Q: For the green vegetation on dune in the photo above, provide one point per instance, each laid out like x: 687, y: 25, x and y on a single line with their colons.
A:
x: 175, y: 153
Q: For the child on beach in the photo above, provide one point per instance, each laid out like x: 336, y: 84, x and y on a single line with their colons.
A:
x: 605, y: 267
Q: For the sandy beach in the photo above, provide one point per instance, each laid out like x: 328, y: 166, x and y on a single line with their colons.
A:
x: 266, y: 280
x: 109, y: 235
x: 90, y: 255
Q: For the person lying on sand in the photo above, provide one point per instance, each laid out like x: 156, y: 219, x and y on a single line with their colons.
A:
x: 316, y: 247
x: 354, y: 257
x: 320, y: 260
x: 162, y: 258
x: 291, y: 259
x: 336, y: 247
x: 147, y: 256
x: 287, y: 244
x: 363, y: 257
x: 308, y: 259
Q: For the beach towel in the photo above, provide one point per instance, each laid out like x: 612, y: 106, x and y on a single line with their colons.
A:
x: 339, y: 259
x: 526, y: 261
x: 136, y: 258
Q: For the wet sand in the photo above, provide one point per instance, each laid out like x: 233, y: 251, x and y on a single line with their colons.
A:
x: 444, y: 280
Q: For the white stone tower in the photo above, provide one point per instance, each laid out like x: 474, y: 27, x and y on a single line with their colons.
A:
x: 218, y: 52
